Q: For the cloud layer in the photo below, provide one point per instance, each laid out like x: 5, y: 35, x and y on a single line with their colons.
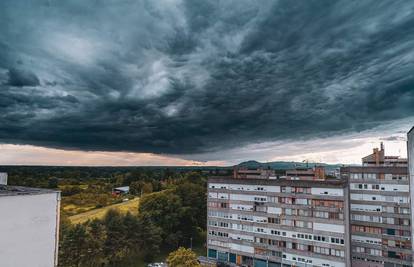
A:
x: 184, y: 77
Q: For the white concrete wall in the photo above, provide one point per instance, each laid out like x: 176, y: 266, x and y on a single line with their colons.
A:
x: 313, y: 261
x: 336, y: 228
x: 274, y: 210
x: 242, y: 248
x: 365, y: 239
x: 364, y: 207
x: 410, y: 149
x: 28, y: 230
x: 3, y: 178
x: 242, y: 197
x: 246, y: 187
x: 327, y: 191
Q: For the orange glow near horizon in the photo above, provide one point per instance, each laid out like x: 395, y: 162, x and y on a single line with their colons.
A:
x: 35, y: 155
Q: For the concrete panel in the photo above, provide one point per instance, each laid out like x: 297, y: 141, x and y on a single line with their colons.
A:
x: 28, y: 230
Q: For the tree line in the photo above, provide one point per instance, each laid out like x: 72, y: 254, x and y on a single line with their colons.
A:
x: 166, y: 220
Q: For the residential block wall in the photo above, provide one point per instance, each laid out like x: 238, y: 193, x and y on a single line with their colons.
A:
x: 380, y: 211
x: 267, y: 222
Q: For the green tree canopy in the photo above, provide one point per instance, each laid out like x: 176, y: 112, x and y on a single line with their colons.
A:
x: 183, y: 257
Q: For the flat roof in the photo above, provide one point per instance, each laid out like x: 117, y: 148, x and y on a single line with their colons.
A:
x: 122, y: 188
x: 8, y: 190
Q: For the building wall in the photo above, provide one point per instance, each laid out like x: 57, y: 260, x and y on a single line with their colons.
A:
x: 257, y: 222
x: 29, y: 230
x: 3, y: 178
x: 410, y: 150
x: 380, y: 215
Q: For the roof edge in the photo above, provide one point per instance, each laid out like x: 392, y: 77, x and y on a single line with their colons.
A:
x: 411, y: 130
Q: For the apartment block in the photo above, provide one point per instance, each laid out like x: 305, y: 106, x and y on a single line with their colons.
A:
x: 265, y: 221
x: 29, y: 226
x: 380, y: 211
x: 314, y: 173
x: 410, y: 150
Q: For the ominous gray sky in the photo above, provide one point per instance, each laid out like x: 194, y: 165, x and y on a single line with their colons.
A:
x: 202, y: 80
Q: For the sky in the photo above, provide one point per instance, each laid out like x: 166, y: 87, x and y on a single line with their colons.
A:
x: 175, y: 82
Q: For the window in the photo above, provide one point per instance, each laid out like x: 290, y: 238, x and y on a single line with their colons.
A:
x: 302, y: 201
x: 337, y: 253
x: 356, y: 175
x: 273, y: 220
x: 273, y: 199
x: 358, y: 249
x: 321, y: 214
x: 303, y: 224
x: 370, y: 176
x: 321, y: 250
x: 275, y: 232
x: 375, y: 252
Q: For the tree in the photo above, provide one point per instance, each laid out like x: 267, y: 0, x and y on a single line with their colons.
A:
x: 182, y: 257
x: 164, y: 209
x: 96, y: 244
x: 74, y: 246
x: 140, y: 187
x: 53, y: 183
x: 147, y: 188
x: 116, y: 244
x: 150, y: 238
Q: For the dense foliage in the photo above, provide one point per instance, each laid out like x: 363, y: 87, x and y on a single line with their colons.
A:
x: 182, y: 257
x: 166, y: 220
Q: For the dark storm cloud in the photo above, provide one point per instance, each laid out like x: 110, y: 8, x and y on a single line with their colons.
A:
x: 21, y: 78
x: 189, y: 76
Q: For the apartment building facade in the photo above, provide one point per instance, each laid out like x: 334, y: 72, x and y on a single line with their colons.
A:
x: 410, y: 150
x: 264, y: 222
x: 380, y: 211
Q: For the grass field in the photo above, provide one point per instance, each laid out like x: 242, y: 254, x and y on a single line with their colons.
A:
x: 124, y: 207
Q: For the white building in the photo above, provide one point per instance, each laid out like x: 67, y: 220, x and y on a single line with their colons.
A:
x: 3, y: 178
x: 410, y: 150
x: 29, y: 226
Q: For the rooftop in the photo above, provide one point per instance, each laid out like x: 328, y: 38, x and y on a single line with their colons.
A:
x: 122, y: 188
x: 7, y: 190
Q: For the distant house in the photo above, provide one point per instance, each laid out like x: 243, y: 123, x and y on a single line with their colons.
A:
x: 120, y: 190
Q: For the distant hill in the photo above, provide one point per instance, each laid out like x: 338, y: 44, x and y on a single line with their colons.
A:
x: 283, y: 165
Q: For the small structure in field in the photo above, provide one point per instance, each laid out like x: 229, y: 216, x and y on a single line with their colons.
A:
x: 120, y: 190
